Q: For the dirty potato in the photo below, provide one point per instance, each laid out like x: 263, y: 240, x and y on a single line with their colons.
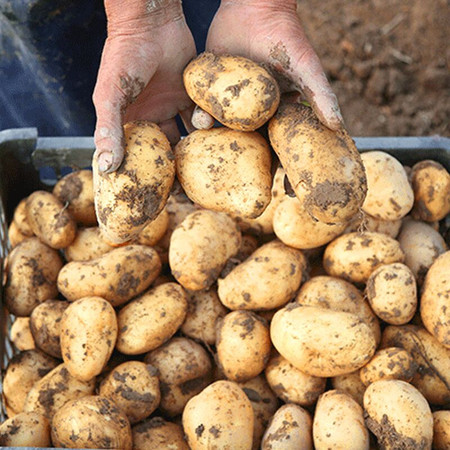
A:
x: 154, y: 230
x: 21, y: 220
x: 25, y: 430
x: 351, y: 384
x: 87, y: 245
x: 15, y: 236
x: 441, y: 430
x: 20, y: 334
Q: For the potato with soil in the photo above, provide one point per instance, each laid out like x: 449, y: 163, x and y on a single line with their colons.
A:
x: 200, y: 247
x: 226, y: 170
x: 76, y: 190
x: 243, y: 345
x: 323, y: 166
x: 322, y: 342
x: 15, y: 236
x: 441, y: 430
x: 351, y: 384
x: 91, y: 422
x: 151, y: 319
x: 116, y: 276
x: 87, y: 245
x: 20, y: 218
x: 31, y: 272
x: 236, y: 91
x: 20, y: 334
x: 25, y: 430
x: 129, y: 198
x: 365, y: 222
x: 267, y: 279
x: 184, y: 370
x: 398, y: 415
x: 154, y: 230
x: 221, y: 416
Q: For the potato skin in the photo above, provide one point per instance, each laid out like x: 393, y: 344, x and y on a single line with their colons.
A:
x: 25, y: 430
x: 324, y: 167
x: 129, y: 198
x: 238, y: 92
x: 441, y: 430
x: 351, y: 384
x: 116, y: 276
x: 20, y: 334
x: 87, y: 245
x: 226, y: 170
x: 15, y: 236
x: 21, y: 220
x: 154, y: 230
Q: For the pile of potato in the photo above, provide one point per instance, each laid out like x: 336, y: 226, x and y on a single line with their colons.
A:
x: 233, y: 315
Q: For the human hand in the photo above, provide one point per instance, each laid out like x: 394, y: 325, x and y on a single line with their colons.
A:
x: 270, y: 32
x: 140, y: 74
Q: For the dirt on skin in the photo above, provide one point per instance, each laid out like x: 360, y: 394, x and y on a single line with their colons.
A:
x: 387, y: 60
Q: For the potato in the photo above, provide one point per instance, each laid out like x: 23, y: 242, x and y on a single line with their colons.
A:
x: 392, y: 363
x: 243, y: 345
x: 184, y: 369
x: 339, y: 423
x: 129, y: 198
x: 23, y: 370
x: 392, y: 293
x: 267, y: 279
x: 45, y: 321
x: 91, y: 422
x: 354, y: 256
x: 431, y: 185
x: 398, y: 415
x: 87, y: 245
x: 200, y: 247
x: 351, y: 384
x: 76, y: 190
x: 25, y: 430
x: 116, y: 276
x: 421, y: 245
x: 154, y: 230
x: 88, y: 336
x: 221, y: 416
x: 15, y: 236
x: 389, y: 194
x: 441, y: 430
x: 20, y: 334
x: 156, y: 433
x: 320, y: 341
x: 50, y: 220
x: 249, y: 244
x: 235, y: 90
x: 323, y: 166
x: 134, y: 387
x: 151, y: 319
x: 290, y: 428
x: 31, y: 273
x: 53, y: 390
x: 435, y: 299
x: 365, y: 222
x: 20, y: 218
x: 291, y: 384
x: 226, y: 170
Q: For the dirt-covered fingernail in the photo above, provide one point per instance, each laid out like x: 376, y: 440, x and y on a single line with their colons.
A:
x: 105, y: 161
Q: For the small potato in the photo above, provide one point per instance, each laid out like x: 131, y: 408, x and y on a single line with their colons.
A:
x: 435, y: 300
x: 88, y: 336
x: 267, y: 279
x: 200, y: 247
x: 25, y: 430
x: 365, y: 222
x: 291, y: 384
x: 22, y: 372
x: 351, y: 384
x: 339, y: 423
x: 20, y: 334
x: 323, y: 166
x: 237, y: 91
x: 398, y: 415
x: 154, y: 230
x: 320, y: 341
x: 116, y: 276
x: 392, y: 293
x: 56, y: 388
x: 15, y: 236
x: 134, y: 387
x: 32, y: 270
x: 392, y: 363
x: 441, y: 430
x: 431, y: 185
x: 127, y: 199
x: 87, y: 245
x: 226, y: 170
x: 45, y: 321
x: 184, y: 370
x: 243, y: 345
x: 221, y: 417
x: 389, y: 194
x: 21, y: 220
x: 91, y: 422
x: 354, y: 256
x: 156, y: 433
x: 151, y: 319
x: 49, y: 220
x: 76, y: 190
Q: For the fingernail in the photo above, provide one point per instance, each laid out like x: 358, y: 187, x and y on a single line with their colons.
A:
x: 104, y: 161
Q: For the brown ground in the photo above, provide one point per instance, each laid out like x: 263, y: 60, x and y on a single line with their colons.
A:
x: 388, y: 62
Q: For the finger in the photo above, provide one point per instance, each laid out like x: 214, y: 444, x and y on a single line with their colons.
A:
x: 186, y: 118
x: 202, y: 120
x: 170, y: 129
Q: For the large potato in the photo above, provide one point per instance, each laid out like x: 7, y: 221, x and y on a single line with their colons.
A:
x: 87, y: 245
x: 238, y: 92
x: 323, y: 166
x: 31, y: 273
x: 226, y: 170
x: 116, y: 276
x: 129, y: 198
x: 25, y: 430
